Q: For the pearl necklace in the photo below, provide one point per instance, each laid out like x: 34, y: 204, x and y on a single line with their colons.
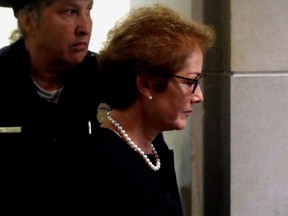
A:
x: 134, y: 146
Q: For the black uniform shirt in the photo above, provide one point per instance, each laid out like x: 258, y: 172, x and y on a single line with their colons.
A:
x: 43, y: 145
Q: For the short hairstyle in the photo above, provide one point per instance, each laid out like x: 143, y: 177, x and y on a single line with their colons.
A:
x: 153, y: 40
x: 31, y: 7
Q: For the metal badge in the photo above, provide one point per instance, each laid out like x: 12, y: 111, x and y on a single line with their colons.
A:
x: 10, y: 129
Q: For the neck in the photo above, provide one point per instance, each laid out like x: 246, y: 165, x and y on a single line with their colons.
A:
x: 44, y: 71
x: 47, y: 81
x: 140, y: 133
x: 134, y: 145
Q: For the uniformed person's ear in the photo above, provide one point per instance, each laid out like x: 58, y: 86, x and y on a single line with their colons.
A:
x: 28, y: 22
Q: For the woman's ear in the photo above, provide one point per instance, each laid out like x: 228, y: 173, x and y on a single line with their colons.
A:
x: 144, y: 85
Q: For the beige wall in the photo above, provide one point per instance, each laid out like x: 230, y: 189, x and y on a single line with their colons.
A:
x: 259, y: 104
x: 245, y: 139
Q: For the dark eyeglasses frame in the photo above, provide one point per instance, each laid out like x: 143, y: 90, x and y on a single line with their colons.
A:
x: 195, y: 81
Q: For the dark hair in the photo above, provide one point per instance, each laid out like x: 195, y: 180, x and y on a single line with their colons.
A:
x: 31, y: 7
x: 153, y: 40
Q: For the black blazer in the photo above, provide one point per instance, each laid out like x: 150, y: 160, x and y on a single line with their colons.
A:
x: 125, y: 185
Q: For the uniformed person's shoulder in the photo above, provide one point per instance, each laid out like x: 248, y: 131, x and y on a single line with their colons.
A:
x: 14, y: 50
x: 9, y: 55
x: 91, y: 53
x: 7, y: 50
x: 85, y: 72
x: 90, y: 58
x: 15, y: 59
x: 4, y: 51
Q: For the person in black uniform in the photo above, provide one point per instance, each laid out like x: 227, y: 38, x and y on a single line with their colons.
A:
x: 151, y: 64
x: 49, y: 94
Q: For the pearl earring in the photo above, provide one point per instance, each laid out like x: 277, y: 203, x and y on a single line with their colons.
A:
x: 150, y: 97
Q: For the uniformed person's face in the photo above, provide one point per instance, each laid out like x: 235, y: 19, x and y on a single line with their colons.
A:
x: 63, y: 31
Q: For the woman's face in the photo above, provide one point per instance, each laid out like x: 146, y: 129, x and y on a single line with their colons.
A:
x: 173, y: 106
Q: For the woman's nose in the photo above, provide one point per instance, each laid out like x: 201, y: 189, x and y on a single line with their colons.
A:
x: 197, y: 96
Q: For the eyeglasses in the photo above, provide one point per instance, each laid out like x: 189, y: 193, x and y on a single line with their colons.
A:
x: 192, y: 82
